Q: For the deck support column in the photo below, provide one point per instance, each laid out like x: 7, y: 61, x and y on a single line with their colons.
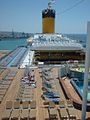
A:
x: 87, y: 65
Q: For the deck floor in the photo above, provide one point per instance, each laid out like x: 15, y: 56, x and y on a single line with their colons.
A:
x: 42, y: 112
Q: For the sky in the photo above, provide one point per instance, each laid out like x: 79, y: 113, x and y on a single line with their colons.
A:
x: 26, y: 16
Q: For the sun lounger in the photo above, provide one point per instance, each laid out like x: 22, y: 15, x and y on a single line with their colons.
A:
x: 6, y: 83
x: 63, y: 113
x: 4, y: 87
x: 27, y: 92
x: 33, y: 104
x: 1, y: 96
x: 6, y: 115
x: 25, y: 114
x: 52, y: 95
x: 32, y: 115
x: 2, y: 92
x: 25, y: 104
x: 51, y: 104
x: 52, y: 110
x: 9, y: 78
x: 71, y: 113
x: 46, y: 102
x: 69, y: 103
x: 71, y: 110
x: 27, y: 95
x: 15, y: 114
x: 16, y: 104
x: 9, y: 104
x: 55, y: 100
x: 62, y: 104
x: 26, y: 99
x: 27, y: 87
x: 52, y: 113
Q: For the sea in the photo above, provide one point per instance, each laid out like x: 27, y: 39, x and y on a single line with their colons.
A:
x: 81, y: 38
x: 10, y: 44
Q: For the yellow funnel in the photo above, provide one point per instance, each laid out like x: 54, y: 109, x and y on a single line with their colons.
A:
x: 48, y: 21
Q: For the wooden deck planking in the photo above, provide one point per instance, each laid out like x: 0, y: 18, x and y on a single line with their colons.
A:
x: 42, y: 112
x: 59, y: 89
x: 39, y: 102
x: 11, y: 93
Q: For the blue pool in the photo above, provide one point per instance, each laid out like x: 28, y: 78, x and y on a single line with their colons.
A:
x: 78, y: 85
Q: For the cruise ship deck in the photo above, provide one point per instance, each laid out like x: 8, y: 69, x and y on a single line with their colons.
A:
x: 30, y: 102
x: 30, y: 85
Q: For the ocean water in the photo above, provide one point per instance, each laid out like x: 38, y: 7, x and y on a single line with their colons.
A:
x: 80, y: 37
x: 10, y: 44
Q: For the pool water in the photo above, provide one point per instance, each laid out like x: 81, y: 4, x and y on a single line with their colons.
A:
x: 80, y: 86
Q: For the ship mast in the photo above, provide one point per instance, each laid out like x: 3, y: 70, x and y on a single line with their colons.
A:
x: 86, y: 77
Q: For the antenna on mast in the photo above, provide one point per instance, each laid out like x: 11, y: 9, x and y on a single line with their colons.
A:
x: 50, y: 5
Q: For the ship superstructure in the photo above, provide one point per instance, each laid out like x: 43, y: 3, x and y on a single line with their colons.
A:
x: 54, y: 49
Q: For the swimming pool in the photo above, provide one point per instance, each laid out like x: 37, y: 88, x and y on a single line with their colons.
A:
x: 78, y: 85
